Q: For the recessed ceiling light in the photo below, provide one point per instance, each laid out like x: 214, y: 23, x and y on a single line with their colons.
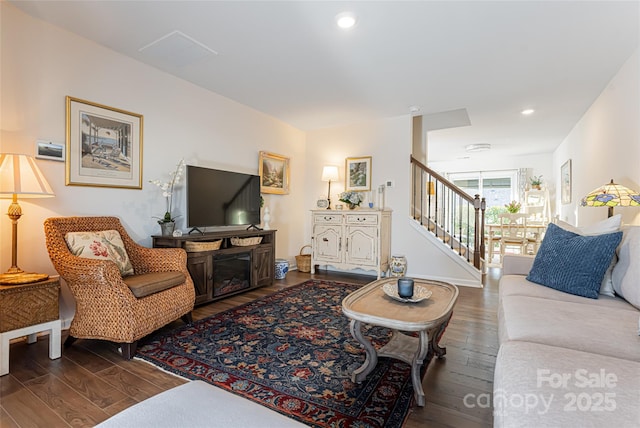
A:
x: 481, y: 147
x: 345, y: 20
x: 527, y: 111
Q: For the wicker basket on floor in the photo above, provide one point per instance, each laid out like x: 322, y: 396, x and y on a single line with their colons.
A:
x: 304, y: 260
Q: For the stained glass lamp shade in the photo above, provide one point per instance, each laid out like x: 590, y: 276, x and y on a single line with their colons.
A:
x: 612, y: 195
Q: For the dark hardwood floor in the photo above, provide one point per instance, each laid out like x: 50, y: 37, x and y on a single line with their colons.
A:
x: 91, y: 381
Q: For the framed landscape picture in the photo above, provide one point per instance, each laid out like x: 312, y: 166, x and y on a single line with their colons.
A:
x: 274, y: 173
x: 565, y: 182
x: 358, y: 174
x: 49, y: 150
x: 104, y: 146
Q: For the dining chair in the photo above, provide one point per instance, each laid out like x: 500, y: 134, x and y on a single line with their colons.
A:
x: 513, y: 233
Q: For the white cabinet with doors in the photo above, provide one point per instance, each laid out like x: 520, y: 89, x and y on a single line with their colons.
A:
x: 351, y: 239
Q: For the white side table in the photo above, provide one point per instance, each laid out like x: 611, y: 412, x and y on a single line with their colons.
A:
x: 26, y: 310
x: 53, y: 327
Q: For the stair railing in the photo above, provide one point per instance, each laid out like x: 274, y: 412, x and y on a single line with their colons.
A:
x: 449, y: 212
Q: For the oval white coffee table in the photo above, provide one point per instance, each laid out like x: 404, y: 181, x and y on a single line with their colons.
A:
x: 429, y: 317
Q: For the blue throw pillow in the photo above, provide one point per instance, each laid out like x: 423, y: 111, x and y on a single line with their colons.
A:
x: 573, y: 263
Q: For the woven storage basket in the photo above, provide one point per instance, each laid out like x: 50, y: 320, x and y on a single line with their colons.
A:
x: 202, y: 246
x: 304, y: 260
x: 245, y: 242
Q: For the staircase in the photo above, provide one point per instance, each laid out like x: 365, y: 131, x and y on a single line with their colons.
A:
x: 450, y: 214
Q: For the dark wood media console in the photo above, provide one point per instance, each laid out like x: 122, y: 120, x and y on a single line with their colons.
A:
x: 229, y: 270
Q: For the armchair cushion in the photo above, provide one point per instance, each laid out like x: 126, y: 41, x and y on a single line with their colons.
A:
x: 149, y: 283
x: 100, y: 245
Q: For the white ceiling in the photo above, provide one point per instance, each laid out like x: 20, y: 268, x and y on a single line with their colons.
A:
x: 289, y: 60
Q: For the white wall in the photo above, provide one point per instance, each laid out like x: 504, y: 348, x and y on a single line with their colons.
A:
x: 41, y: 64
x: 604, y: 145
x: 388, y: 142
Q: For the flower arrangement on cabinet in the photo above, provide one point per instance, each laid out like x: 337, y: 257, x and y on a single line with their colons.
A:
x: 513, y: 207
x: 353, y: 199
x: 167, y: 191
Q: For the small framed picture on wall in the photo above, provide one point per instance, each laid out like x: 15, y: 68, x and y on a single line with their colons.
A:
x: 49, y: 150
x: 565, y: 182
x: 358, y: 174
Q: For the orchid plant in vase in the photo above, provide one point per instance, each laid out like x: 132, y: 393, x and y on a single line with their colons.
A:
x: 167, y: 192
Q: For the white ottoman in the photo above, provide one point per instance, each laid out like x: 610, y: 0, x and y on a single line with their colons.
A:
x: 198, y: 404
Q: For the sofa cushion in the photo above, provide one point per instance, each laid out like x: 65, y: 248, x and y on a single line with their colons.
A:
x: 149, y: 283
x: 102, y: 245
x: 546, y: 386
x: 573, y: 263
x: 517, y: 285
x: 626, y: 273
x: 583, y: 327
x: 609, y: 225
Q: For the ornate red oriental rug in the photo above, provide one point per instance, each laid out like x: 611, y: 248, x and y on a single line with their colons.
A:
x: 291, y: 352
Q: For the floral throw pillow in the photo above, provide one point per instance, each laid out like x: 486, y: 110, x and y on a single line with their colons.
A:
x: 103, y: 245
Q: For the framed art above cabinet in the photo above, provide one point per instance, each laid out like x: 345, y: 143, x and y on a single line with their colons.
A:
x: 357, y: 174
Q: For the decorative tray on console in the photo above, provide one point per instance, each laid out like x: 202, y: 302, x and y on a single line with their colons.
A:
x: 419, y: 293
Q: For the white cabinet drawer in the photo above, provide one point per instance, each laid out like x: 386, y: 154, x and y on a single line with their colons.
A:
x: 362, y: 219
x: 327, y: 218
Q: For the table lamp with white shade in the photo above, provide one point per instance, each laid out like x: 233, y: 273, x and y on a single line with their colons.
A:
x: 20, y: 177
x: 329, y: 173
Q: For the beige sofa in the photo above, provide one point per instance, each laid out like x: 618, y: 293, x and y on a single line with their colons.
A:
x: 566, y: 360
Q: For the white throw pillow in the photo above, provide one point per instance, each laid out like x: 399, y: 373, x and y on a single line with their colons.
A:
x: 610, y: 225
x: 103, y: 245
x: 627, y: 270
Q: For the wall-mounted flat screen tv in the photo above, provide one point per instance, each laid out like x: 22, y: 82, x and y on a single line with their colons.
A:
x: 221, y: 198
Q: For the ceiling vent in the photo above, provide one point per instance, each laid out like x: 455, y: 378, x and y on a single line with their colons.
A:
x: 178, y: 49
